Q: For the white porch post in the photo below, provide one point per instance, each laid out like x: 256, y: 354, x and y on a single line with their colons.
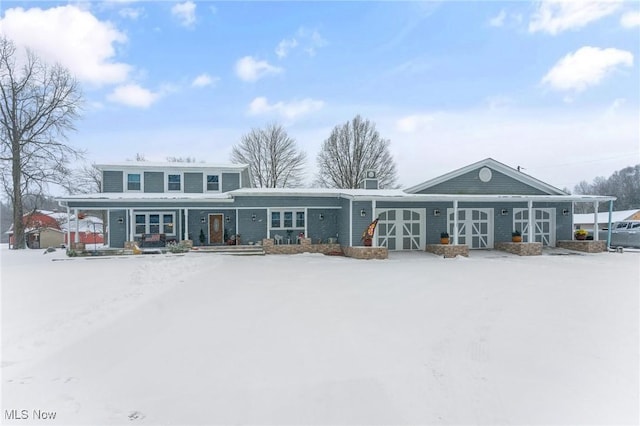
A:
x: 350, y: 223
x: 269, y: 223
x: 373, y: 217
x: 76, y: 238
x: 531, y: 238
x: 186, y: 224
x: 595, y: 220
x: 131, y: 225
x: 306, y: 221
x: 455, y: 222
x: 68, y: 227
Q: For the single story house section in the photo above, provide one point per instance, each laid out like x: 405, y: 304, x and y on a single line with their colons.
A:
x: 479, y: 205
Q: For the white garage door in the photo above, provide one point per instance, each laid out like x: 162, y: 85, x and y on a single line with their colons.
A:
x: 475, y: 227
x: 544, y: 223
x: 400, y: 229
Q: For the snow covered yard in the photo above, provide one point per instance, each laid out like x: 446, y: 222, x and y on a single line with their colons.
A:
x: 312, y: 339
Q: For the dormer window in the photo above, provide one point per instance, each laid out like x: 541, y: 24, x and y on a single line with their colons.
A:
x: 134, y: 182
x: 174, y: 182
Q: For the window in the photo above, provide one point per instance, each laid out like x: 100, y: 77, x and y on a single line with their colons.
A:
x: 155, y: 223
x: 275, y: 219
x: 285, y: 219
x: 213, y: 183
x: 173, y: 182
x: 133, y: 182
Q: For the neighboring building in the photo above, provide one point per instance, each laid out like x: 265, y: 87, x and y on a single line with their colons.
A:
x: 52, y: 229
x: 586, y: 220
x: 487, y: 201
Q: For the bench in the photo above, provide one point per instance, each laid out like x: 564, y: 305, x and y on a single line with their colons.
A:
x: 153, y: 240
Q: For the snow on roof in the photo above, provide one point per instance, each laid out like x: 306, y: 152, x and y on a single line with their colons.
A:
x: 146, y: 196
x: 317, y: 192
x: 169, y: 165
x: 603, y: 217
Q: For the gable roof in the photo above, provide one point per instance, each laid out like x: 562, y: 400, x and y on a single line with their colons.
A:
x: 492, y: 164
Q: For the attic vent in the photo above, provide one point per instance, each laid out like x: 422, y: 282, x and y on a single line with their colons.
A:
x: 485, y: 174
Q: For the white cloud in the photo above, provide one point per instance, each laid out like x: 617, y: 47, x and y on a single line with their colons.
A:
x: 630, y: 20
x: 498, y: 20
x: 287, y: 110
x: 130, y: 13
x: 71, y: 36
x: 586, y: 67
x: 185, y: 12
x: 556, y: 16
x: 204, y: 80
x: 414, y: 123
x: 285, y: 46
x: 312, y: 40
x: 250, y: 69
x: 133, y: 95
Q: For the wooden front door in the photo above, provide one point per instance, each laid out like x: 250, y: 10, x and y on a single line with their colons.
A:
x: 216, y: 228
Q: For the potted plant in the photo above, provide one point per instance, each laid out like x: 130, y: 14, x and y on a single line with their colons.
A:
x: 516, y: 236
x: 201, y: 237
x: 444, y: 238
x: 581, y: 234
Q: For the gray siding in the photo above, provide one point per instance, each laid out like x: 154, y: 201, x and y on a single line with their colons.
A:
x: 319, y: 230
x: 246, y: 183
x: 470, y: 183
x: 230, y: 181
x: 360, y: 223
x: 284, y: 201
x: 343, y: 222
x: 117, y: 231
x: 153, y: 182
x: 252, y: 230
x: 193, y: 183
x: 112, y: 181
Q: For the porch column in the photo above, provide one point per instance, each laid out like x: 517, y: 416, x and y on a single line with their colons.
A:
x: 375, y: 230
x: 68, y: 227
x: 455, y: 221
x: 131, y: 225
x: 610, y: 224
x: 186, y: 224
x: 531, y: 238
x: 595, y: 220
x: 350, y: 223
x: 306, y: 221
x: 76, y: 238
x: 269, y: 222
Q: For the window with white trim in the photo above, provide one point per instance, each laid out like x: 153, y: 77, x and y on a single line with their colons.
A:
x: 213, y: 183
x: 287, y: 219
x: 155, y: 223
x: 134, y: 181
x: 174, y: 182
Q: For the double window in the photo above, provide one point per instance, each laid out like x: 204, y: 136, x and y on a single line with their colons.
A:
x: 287, y: 219
x: 155, y: 223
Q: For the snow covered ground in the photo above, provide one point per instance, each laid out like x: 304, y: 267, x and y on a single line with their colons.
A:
x: 311, y: 339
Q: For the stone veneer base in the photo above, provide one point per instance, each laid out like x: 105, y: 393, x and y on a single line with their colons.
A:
x: 305, y: 246
x: 587, y: 246
x: 448, y: 250
x: 521, y: 249
x: 366, y: 252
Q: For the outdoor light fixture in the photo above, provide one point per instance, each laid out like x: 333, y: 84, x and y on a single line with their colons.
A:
x: 202, y: 220
x: 565, y: 212
x: 253, y: 217
x: 227, y: 219
x: 504, y: 212
x: 363, y: 212
x: 120, y: 220
x: 321, y: 216
x: 436, y: 212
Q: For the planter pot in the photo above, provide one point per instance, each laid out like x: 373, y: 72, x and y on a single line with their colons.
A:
x: 367, y: 242
x: 516, y: 239
x: 444, y: 240
x: 581, y: 237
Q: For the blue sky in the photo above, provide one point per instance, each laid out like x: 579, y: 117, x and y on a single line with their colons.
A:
x: 551, y: 86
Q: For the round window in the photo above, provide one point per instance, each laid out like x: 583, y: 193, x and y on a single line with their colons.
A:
x: 485, y: 174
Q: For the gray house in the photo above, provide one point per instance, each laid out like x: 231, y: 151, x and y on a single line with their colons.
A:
x: 478, y: 205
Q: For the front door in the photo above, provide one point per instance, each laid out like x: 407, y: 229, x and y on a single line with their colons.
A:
x: 400, y: 229
x: 475, y: 227
x: 544, y: 225
x: 216, y: 228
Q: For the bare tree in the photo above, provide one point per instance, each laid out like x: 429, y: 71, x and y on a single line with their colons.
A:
x: 624, y: 184
x: 38, y: 104
x: 273, y: 158
x: 188, y: 160
x: 350, y: 151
